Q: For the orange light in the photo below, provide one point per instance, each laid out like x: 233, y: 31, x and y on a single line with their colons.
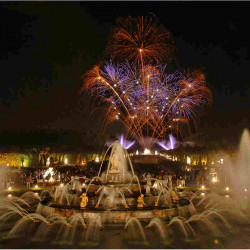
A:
x: 216, y: 242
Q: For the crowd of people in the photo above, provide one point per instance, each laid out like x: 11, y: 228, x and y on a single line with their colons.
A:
x: 181, y: 180
x: 28, y: 177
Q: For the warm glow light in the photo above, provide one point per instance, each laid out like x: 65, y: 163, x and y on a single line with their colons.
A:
x: 227, y: 188
x: 97, y: 159
x: 36, y: 186
x: 180, y: 185
x: 137, y: 152
x: 147, y: 151
x: 245, y: 190
x: 49, y: 171
x: 188, y: 160
x: 48, y: 162
x: 9, y: 195
x: 156, y: 153
x: 202, y: 194
x: 175, y: 158
x: 66, y: 161
x: 9, y: 188
x: 61, y: 185
x: 214, y: 179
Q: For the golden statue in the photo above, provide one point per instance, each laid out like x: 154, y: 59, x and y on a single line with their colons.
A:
x: 140, y: 201
x: 175, y: 196
x: 84, y: 201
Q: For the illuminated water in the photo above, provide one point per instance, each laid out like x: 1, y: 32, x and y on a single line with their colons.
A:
x: 212, y: 220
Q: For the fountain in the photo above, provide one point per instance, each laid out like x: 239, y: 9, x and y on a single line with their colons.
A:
x: 117, y: 170
x: 237, y: 173
x: 116, y: 188
x: 115, y: 205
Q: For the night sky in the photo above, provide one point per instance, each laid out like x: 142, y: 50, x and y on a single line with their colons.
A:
x: 46, y: 48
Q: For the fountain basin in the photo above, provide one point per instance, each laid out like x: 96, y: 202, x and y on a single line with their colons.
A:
x: 114, y: 215
x: 131, y: 199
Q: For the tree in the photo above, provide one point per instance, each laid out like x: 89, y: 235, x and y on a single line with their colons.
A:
x: 25, y: 159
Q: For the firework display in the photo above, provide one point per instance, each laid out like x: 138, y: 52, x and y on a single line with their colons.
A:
x: 139, y: 91
x: 145, y: 35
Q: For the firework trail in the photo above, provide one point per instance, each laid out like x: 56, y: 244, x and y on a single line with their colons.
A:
x: 139, y: 91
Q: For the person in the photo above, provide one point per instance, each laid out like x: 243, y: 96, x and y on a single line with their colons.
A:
x: 27, y: 181
x: 22, y: 178
x: 81, y: 179
x: 62, y: 176
x: 160, y: 175
x: 178, y: 181
x: 35, y: 180
x: 148, y: 187
x: 182, y: 181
